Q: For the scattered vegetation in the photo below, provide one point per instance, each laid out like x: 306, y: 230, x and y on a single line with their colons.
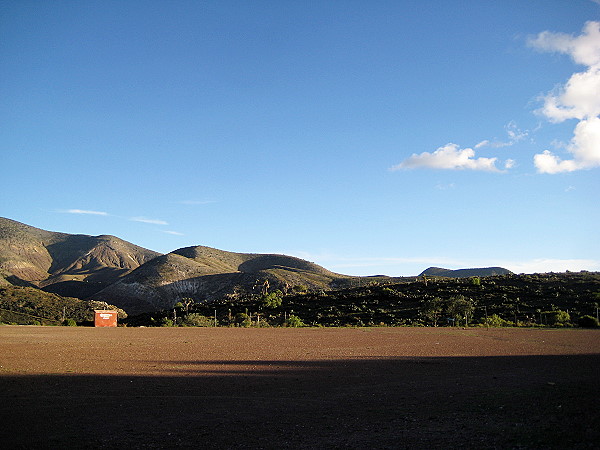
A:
x: 30, y: 306
x: 538, y: 300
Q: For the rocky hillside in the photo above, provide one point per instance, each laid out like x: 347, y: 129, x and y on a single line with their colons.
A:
x: 205, y: 274
x: 106, y: 268
x: 29, y: 255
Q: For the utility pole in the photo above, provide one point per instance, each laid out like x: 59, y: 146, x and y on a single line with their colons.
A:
x: 487, y: 323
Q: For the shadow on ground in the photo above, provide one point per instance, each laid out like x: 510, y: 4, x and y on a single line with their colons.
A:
x: 469, y: 402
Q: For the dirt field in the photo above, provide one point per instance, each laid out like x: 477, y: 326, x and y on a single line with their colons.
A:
x: 299, y: 388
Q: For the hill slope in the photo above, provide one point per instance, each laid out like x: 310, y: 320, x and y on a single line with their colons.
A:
x: 205, y: 274
x: 109, y: 269
x: 28, y: 254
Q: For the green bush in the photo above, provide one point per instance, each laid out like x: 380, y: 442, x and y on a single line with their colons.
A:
x: 557, y: 318
x: 197, y: 320
x: 166, y: 322
x: 294, y: 321
x: 69, y: 323
x: 588, y: 322
x: 496, y: 321
x: 243, y: 320
x: 272, y: 300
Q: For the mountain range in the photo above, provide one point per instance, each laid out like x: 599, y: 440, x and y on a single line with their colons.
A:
x: 106, y: 268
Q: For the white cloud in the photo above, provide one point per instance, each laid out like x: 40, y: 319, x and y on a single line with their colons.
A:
x: 151, y: 221
x: 578, y: 99
x: 450, y: 157
x: 85, y: 211
x: 584, y: 147
x: 584, y: 49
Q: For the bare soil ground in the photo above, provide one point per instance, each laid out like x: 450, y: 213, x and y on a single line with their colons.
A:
x: 299, y: 388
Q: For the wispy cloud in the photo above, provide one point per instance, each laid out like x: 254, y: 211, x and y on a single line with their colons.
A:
x: 151, y: 221
x: 578, y: 99
x: 445, y: 187
x: 84, y: 211
x: 414, y: 265
x: 514, y: 133
x: 449, y: 157
x: 175, y: 233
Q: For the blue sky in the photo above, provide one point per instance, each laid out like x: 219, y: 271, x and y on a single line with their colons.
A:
x: 371, y: 137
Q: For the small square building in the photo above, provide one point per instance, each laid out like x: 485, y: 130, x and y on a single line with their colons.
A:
x: 105, y: 318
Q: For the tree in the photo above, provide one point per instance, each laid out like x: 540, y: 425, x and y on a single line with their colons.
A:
x: 433, y: 309
x: 461, y: 309
x: 187, y: 302
x: 273, y: 299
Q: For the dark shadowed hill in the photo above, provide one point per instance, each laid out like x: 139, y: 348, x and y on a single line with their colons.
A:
x: 465, y: 273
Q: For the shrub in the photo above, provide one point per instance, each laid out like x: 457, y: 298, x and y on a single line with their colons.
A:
x: 69, y: 323
x: 272, y: 300
x: 588, y: 322
x: 166, y: 322
x: 496, y: 321
x: 262, y: 323
x: 197, y: 320
x: 294, y: 321
x: 243, y: 320
x: 557, y: 318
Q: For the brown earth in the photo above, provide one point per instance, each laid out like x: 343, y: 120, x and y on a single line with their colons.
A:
x: 299, y: 388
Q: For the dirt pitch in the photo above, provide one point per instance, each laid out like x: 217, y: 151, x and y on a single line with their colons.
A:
x: 299, y: 388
